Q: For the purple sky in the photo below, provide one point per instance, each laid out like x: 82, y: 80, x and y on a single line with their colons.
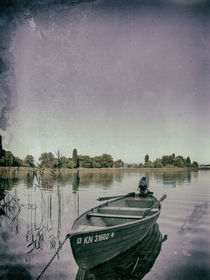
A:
x: 120, y: 79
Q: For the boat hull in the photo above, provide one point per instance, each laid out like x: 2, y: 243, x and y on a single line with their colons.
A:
x: 96, y: 247
x: 136, y: 261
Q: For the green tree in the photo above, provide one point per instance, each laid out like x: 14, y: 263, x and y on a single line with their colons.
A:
x: 75, y: 158
x: 2, y: 160
x: 179, y: 161
x: 103, y: 161
x: 9, y: 159
x: 118, y: 163
x: 63, y: 162
x: 194, y: 164
x: 29, y: 161
x: 157, y: 163
x: 85, y: 161
x: 18, y: 161
x: 146, y: 158
x: 171, y: 159
x: 165, y: 160
x: 188, y: 161
x: 97, y: 162
x: 107, y: 161
x: 47, y: 160
x: 70, y: 163
x: 149, y: 164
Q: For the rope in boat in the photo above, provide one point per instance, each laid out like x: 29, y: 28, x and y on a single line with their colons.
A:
x: 49, y: 263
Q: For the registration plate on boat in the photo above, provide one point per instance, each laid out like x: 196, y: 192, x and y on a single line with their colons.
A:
x: 95, y: 238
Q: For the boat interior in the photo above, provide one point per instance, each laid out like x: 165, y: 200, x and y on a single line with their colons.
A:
x: 116, y: 212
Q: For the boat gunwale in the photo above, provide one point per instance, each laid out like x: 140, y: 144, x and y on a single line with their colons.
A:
x: 124, y: 225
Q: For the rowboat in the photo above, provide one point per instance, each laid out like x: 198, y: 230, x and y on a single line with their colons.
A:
x: 113, y: 227
x: 134, y: 263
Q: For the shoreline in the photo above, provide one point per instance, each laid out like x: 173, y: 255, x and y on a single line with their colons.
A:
x: 28, y: 174
x: 89, y: 170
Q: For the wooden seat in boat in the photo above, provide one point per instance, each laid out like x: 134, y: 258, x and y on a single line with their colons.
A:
x: 136, y: 202
x: 124, y: 210
x: 127, y: 208
x: 114, y: 216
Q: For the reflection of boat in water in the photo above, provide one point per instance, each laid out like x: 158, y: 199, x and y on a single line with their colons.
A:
x: 132, y: 264
x: 112, y: 228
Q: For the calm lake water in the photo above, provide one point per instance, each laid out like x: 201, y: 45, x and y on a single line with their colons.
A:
x: 39, y: 218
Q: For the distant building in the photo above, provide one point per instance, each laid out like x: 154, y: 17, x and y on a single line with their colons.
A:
x: 204, y: 166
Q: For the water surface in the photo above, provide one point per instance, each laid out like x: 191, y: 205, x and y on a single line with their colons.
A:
x: 40, y: 217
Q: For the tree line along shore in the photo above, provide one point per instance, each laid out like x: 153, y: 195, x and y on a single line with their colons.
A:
x: 59, y: 161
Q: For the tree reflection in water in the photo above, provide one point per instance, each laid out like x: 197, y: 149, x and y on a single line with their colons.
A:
x: 9, y: 212
x: 172, y: 177
x: 132, y: 264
